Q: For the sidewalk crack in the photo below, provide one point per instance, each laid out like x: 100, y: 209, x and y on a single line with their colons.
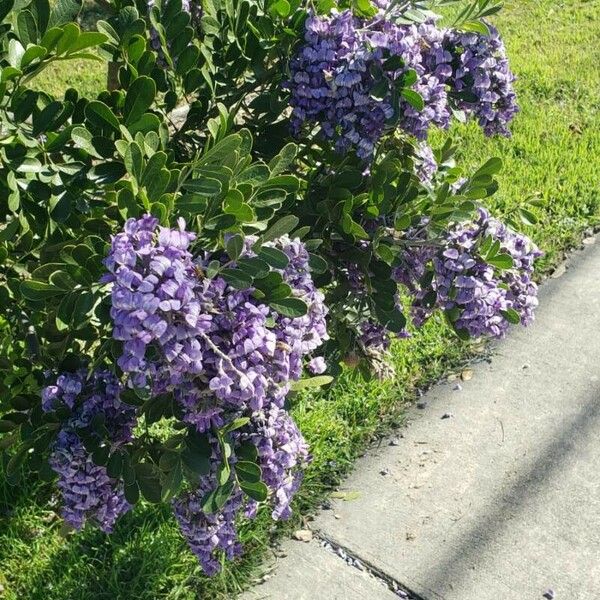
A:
x: 354, y: 561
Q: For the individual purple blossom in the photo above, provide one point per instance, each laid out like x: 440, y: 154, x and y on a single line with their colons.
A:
x: 425, y: 163
x: 88, y: 493
x: 481, y: 79
x: 317, y: 365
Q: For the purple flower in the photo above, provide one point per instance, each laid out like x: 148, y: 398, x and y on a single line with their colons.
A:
x: 334, y: 85
x: 426, y: 165
x: 223, y: 354
x: 317, y: 365
x: 476, y: 296
x: 481, y: 79
x: 88, y: 493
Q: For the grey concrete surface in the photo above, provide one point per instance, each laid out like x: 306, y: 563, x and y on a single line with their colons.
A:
x: 309, y: 572
x: 502, y: 499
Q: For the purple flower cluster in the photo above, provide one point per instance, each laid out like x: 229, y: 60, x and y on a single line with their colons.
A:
x: 222, y: 353
x: 282, y: 454
x: 206, y: 533
x: 211, y: 344
x: 340, y: 80
x: 476, y: 296
x: 333, y: 85
x: 88, y: 493
x: 482, y: 79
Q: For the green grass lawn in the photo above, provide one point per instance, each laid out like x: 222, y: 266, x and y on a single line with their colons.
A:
x: 554, y: 155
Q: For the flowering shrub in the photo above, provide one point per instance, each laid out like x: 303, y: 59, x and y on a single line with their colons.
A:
x: 170, y: 280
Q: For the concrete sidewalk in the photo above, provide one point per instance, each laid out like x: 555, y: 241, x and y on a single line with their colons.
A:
x: 499, y: 501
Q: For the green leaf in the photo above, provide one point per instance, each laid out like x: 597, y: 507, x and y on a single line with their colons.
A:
x: 311, y: 382
x: 501, y: 261
x: 32, y: 53
x: 70, y: 33
x: 64, y: 11
x: 290, y: 307
x: 87, y: 39
x: 247, y: 471
x: 132, y: 492
x: 235, y: 424
x: 274, y: 257
x: 257, y: 491
x: 215, y: 500
x: 512, y: 316
x: 41, y: 12
x: 139, y: 98
x: 158, y: 407
x: 27, y: 28
x: 380, y: 90
x: 114, y: 466
x: 234, y: 246
x: 148, y: 479
x: 279, y: 228
x: 280, y: 7
x: 491, y: 167
x: 43, y: 120
x: 206, y: 186
x: 527, y: 217
x: 237, y: 278
x: 195, y: 461
x: 171, y: 483
x: 51, y: 37
x: 38, y: 290
x: 413, y: 98
x: 146, y: 123
x: 15, y: 53
x: 101, y: 115
x: 476, y: 26
x: 317, y: 264
x: 281, y: 163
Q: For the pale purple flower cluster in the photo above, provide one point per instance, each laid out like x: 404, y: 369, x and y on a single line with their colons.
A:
x: 482, y: 79
x: 282, y: 454
x: 475, y: 295
x: 222, y: 353
x: 340, y: 83
x: 207, y: 534
x: 333, y: 82
x: 88, y: 493
x: 213, y: 345
x: 302, y: 335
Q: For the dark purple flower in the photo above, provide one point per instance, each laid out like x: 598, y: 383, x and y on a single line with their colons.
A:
x: 481, y: 79
x: 88, y: 493
x: 476, y: 296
